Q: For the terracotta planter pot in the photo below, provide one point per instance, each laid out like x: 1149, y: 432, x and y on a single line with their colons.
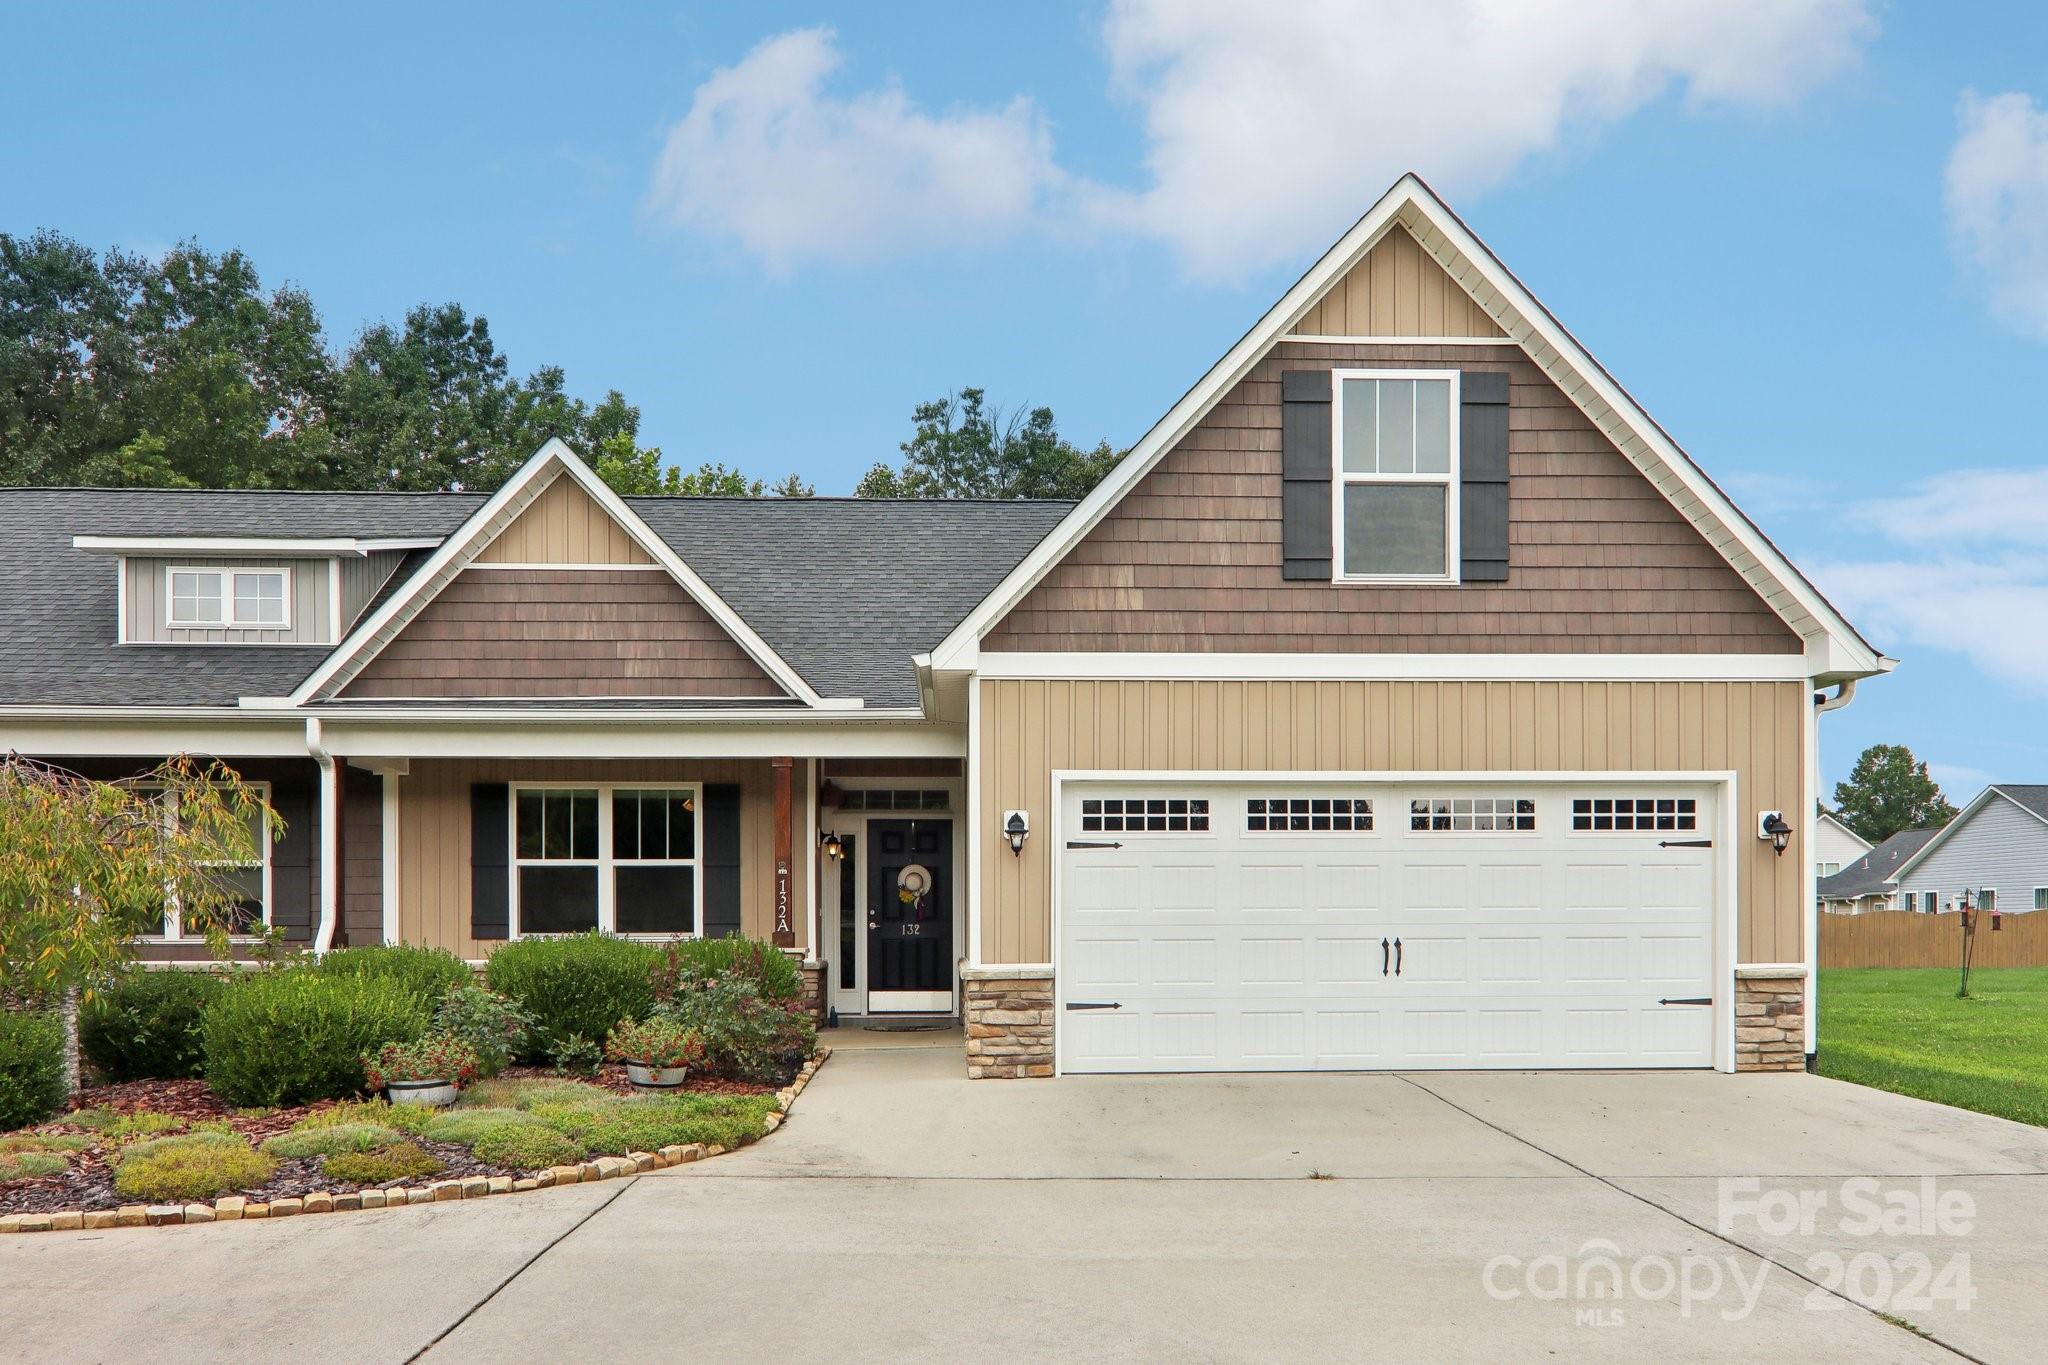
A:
x: 432, y: 1094
x: 646, y: 1077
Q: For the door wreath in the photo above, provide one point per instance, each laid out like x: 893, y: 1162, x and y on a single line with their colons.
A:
x: 913, y: 888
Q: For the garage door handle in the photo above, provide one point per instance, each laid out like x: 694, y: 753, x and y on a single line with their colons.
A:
x: 1095, y: 1004
x: 1397, y: 957
x: 1091, y: 843
x: 1685, y: 843
x: 1686, y: 1000
x: 1383, y: 956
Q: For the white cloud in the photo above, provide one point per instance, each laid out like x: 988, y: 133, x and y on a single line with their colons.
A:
x: 769, y: 159
x: 1267, y: 127
x: 1959, y: 781
x: 1969, y: 509
x: 1996, y: 194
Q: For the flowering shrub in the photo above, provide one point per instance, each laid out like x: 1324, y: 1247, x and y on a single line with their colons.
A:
x: 436, y: 1057
x: 744, y: 1036
x: 662, y: 1041
x: 692, y: 962
x: 489, y: 1022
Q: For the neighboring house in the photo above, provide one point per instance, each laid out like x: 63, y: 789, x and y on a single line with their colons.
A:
x: 1835, y: 845
x: 1866, y: 883
x: 1996, y: 848
x: 1405, y: 699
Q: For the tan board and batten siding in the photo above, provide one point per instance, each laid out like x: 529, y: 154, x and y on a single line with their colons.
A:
x: 1397, y: 291
x: 564, y: 525
x: 1031, y: 728
x: 434, y: 837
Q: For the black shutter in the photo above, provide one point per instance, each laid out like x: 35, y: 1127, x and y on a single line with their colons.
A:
x: 490, y: 861
x: 1305, y: 474
x: 721, y: 860
x: 292, y: 890
x: 1483, y: 477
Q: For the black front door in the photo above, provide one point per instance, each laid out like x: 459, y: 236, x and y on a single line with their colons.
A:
x: 910, y: 915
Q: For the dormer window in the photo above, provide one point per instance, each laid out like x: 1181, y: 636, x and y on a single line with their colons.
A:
x: 243, y: 598
x: 1396, y: 454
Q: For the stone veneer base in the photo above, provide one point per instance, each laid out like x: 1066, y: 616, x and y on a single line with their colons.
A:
x: 236, y: 1209
x: 1009, y: 1023
x: 1770, y: 1021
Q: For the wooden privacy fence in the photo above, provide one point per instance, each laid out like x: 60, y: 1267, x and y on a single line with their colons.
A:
x: 1900, y: 938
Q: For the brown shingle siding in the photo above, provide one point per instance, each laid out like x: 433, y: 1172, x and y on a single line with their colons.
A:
x: 563, y: 633
x: 1190, y: 559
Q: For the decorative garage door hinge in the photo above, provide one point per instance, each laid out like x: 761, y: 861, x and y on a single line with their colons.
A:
x: 1095, y: 1004
x: 1091, y: 843
x: 1686, y: 1000
x: 1685, y: 843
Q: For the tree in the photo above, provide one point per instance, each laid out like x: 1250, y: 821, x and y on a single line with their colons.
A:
x: 86, y: 867
x: 961, y: 448
x: 1889, y: 790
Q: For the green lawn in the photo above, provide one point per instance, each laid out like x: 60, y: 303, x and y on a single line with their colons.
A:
x: 1905, y: 1030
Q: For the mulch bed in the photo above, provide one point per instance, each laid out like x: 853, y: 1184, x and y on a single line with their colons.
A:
x: 89, y: 1183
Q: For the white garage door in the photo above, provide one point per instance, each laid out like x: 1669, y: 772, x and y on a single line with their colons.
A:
x: 1247, y: 926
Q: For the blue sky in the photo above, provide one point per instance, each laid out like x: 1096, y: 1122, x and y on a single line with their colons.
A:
x: 1811, y: 235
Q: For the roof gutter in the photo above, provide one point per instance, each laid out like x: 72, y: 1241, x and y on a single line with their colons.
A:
x: 927, y: 691
x: 1844, y: 694
x: 330, y: 832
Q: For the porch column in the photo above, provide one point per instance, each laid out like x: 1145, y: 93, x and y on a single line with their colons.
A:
x: 785, y: 926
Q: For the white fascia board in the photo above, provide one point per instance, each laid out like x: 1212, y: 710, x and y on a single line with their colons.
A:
x: 642, y: 738
x: 1401, y: 667
x: 283, y: 547
x: 1503, y: 297
x: 142, y: 733
x: 552, y: 460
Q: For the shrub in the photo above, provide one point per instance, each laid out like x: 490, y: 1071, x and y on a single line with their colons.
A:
x: 744, y: 1037
x: 466, y: 1126
x: 426, y: 973
x: 31, y: 1068
x: 493, y: 1025
x: 576, y: 1057
x: 29, y: 1165
x: 196, y: 1166
x: 290, y: 1037
x: 436, y: 1057
x: 146, y: 1024
x: 332, y: 1140
x: 691, y: 962
x: 406, y: 1118
x: 528, y: 1147
x: 661, y: 1041
x: 400, y: 1161
x: 576, y: 987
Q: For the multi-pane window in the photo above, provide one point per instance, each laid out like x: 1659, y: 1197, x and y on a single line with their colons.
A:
x: 1930, y: 902
x: 1307, y: 814
x: 1471, y: 814
x: 1145, y: 815
x: 893, y: 798
x: 1640, y: 813
x: 2041, y: 898
x: 1396, y: 453
x: 244, y: 598
x: 245, y: 881
x: 623, y: 860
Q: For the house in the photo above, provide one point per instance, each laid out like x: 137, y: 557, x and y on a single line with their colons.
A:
x: 1867, y: 883
x: 1996, y: 849
x: 1835, y: 845
x: 1405, y: 699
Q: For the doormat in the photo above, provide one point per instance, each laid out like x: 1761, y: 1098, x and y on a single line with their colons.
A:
x: 909, y: 1026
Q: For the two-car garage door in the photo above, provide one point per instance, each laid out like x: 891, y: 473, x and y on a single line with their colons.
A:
x: 1286, y: 926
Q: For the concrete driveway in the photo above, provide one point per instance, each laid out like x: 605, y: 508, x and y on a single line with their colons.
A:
x: 905, y: 1213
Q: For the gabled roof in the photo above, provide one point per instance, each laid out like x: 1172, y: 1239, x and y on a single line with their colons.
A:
x: 1870, y: 873
x: 551, y: 462
x: 2029, y: 797
x: 1836, y: 648
x: 846, y: 590
x: 1836, y: 821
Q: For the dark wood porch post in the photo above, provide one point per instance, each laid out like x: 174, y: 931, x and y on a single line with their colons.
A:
x: 785, y: 927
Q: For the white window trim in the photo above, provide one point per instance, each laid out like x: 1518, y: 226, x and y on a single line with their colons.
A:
x: 174, y: 927
x: 2041, y: 898
x: 226, y: 576
x: 1984, y: 891
x: 605, y: 863
x: 1340, y: 478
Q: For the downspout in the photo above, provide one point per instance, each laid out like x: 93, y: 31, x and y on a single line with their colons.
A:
x: 330, y: 844
x: 1809, y: 875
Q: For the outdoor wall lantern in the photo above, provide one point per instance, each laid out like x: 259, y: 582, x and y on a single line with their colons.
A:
x: 832, y: 846
x: 1770, y: 824
x: 1016, y: 826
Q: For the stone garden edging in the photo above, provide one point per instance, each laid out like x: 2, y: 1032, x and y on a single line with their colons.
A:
x: 234, y: 1208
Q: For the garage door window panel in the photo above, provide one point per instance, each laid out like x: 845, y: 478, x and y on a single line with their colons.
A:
x: 1307, y: 815
x: 1145, y: 815
x: 1472, y: 815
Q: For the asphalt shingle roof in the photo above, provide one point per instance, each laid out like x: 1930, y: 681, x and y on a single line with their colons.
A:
x: 1866, y: 876
x: 846, y: 590
x: 2033, y: 797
